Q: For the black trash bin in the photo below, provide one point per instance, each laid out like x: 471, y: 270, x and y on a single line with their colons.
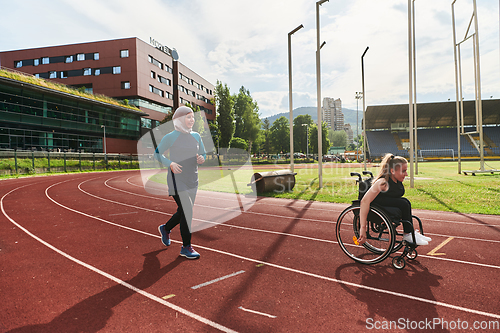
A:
x: 278, y: 181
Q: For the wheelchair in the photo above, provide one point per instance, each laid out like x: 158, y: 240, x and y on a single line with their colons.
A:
x: 384, y: 231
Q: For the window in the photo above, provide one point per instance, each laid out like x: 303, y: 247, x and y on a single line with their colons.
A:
x: 87, y: 71
x: 117, y: 70
x: 97, y: 72
x: 124, y: 54
x: 18, y: 64
x: 80, y: 57
x: 153, y: 75
x: 52, y: 75
x: 37, y: 75
x: 64, y: 75
x: 155, y: 90
x: 45, y: 60
x: 125, y: 84
x: 96, y: 56
x: 164, y: 80
x: 68, y: 59
x: 155, y: 62
x: 36, y: 62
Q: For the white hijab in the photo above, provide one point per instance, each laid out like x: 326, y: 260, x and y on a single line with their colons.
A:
x: 179, y: 119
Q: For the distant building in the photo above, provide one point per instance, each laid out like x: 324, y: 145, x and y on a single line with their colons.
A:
x: 350, y: 133
x: 146, y: 74
x: 332, y: 113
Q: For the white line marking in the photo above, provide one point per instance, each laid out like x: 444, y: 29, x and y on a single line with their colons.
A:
x: 123, y: 213
x: 257, y: 312
x: 217, y: 280
x: 274, y: 232
x: 111, y: 277
x: 383, y: 291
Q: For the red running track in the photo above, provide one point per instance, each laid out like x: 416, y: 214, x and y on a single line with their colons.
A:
x: 81, y: 253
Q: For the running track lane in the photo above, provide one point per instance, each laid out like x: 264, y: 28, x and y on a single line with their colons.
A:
x: 297, y: 289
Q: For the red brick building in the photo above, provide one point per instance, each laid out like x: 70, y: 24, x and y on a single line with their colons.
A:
x: 146, y: 74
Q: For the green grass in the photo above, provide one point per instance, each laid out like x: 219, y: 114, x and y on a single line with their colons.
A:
x: 437, y: 186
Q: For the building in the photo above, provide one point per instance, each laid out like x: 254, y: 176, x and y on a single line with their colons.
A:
x: 332, y: 113
x: 350, y: 133
x: 147, y: 75
x: 34, y: 116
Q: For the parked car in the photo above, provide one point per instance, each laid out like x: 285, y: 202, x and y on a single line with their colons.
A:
x: 329, y: 158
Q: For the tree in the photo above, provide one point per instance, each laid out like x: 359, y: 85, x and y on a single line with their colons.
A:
x: 225, y: 114
x: 238, y: 143
x: 246, y: 114
x: 280, y: 135
x: 313, y: 138
x: 337, y: 138
x: 300, y: 132
x: 266, y: 132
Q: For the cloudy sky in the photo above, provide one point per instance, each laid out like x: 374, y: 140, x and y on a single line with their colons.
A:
x: 244, y: 43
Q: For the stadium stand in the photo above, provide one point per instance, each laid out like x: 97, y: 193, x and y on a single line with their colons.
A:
x: 437, y: 131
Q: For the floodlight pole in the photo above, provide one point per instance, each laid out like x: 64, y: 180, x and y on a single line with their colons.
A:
x: 410, y: 88
x: 364, y: 106
x: 318, y: 97
x: 415, y: 89
x: 290, y: 91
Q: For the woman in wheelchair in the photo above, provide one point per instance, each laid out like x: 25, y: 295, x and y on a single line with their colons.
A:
x: 387, y: 190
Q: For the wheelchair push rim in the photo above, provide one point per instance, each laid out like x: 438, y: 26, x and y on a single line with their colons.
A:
x: 381, y: 236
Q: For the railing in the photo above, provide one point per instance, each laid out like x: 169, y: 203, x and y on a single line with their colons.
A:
x: 34, y: 162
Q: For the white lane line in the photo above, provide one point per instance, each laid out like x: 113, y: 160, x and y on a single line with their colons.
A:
x: 217, y: 280
x: 109, y: 276
x: 257, y: 312
x: 286, y: 217
x: 326, y: 278
x: 123, y: 213
x: 277, y: 232
x: 329, y: 210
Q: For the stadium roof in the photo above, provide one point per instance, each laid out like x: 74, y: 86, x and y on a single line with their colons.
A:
x: 442, y: 114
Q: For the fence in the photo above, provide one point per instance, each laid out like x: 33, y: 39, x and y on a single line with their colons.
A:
x: 33, y: 162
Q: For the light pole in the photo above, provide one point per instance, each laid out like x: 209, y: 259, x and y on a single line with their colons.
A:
x: 358, y: 96
x: 364, y: 109
x: 104, y: 144
x: 290, y: 90
x: 318, y: 97
x: 307, y: 139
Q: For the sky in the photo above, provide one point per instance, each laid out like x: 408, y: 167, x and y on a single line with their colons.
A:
x: 245, y: 43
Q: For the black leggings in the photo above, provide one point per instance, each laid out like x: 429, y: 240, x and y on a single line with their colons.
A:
x: 182, y: 216
x: 403, y: 204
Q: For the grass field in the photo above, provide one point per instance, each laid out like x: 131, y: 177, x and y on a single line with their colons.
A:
x: 438, y: 186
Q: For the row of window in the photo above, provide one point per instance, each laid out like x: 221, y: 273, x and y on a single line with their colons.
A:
x: 159, y: 64
x: 160, y: 92
x: 58, y: 59
x: 193, y: 93
x: 66, y: 59
x: 79, y: 72
x: 161, y: 79
x: 194, y: 83
x: 185, y: 101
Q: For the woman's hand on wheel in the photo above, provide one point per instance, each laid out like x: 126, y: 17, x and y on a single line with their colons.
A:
x: 362, y: 234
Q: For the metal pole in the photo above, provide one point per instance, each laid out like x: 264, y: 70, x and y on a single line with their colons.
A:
x: 290, y: 91
x: 410, y: 93
x: 359, y: 95
x: 478, y: 86
x: 318, y: 97
x: 455, y: 46
x: 364, y: 106
x: 415, y: 88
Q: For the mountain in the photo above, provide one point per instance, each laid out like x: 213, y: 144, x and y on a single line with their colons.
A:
x: 349, y: 116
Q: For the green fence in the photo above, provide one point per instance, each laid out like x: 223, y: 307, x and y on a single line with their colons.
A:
x: 33, y: 162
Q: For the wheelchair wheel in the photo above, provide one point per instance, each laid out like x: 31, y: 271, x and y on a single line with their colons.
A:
x: 399, y: 262
x: 380, y: 235
x: 412, y: 254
